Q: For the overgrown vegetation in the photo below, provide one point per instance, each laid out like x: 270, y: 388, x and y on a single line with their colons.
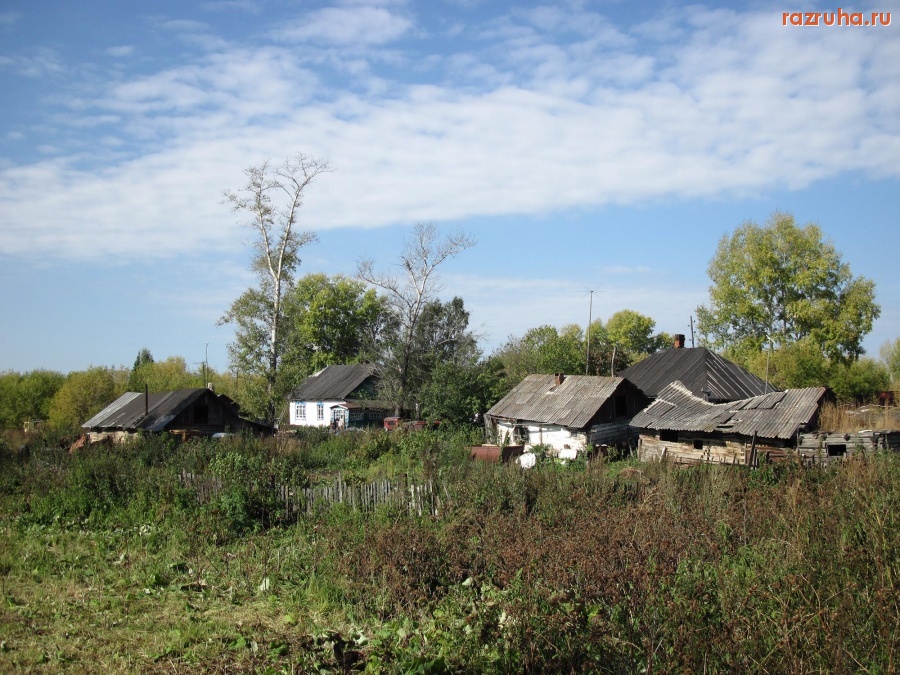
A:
x: 108, y: 563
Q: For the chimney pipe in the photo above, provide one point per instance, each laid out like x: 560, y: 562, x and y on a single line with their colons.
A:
x: 679, y: 341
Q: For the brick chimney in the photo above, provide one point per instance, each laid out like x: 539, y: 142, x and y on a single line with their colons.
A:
x: 679, y: 341
x: 560, y: 377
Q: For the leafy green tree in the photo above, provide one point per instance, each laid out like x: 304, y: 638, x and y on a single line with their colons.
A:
x: 796, y: 365
x: 271, y: 201
x: 632, y: 335
x: 785, y: 283
x: 27, y: 396
x: 408, y: 296
x: 890, y: 354
x: 859, y: 381
x: 462, y: 392
x: 143, y: 358
x: 84, y: 394
x: 544, y: 349
x: 626, y: 337
x: 442, y: 336
x: 169, y: 375
x: 330, y: 320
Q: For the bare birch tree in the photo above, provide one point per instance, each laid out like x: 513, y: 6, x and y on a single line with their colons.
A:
x: 408, y: 294
x: 270, y: 201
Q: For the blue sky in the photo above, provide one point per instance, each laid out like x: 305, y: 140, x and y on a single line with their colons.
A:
x: 602, y: 146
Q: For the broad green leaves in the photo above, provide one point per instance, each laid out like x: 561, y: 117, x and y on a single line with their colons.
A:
x: 785, y: 284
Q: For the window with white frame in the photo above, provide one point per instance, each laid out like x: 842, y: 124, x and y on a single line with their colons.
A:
x: 320, y: 411
x: 300, y: 411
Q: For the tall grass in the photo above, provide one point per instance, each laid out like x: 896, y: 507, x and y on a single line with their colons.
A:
x: 105, y: 563
x: 838, y: 417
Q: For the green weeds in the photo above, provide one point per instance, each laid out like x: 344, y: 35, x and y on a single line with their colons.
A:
x: 108, y: 562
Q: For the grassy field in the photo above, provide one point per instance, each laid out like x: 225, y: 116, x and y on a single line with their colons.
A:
x: 107, y: 564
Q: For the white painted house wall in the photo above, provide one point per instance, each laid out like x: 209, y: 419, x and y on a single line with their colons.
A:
x: 558, y: 437
x: 563, y: 439
x: 306, y: 413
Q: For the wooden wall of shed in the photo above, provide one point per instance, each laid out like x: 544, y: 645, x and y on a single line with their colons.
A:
x: 683, y: 451
x: 610, y: 434
x: 854, y: 441
x: 810, y: 449
x: 219, y: 417
x: 635, y: 401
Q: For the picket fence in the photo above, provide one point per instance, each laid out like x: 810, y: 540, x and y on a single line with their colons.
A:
x: 416, y: 498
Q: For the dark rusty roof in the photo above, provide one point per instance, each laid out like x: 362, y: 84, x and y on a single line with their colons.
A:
x: 333, y: 382
x: 779, y: 414
x: 571, y: 404
x: 700, y: 370
x: 127, y: 411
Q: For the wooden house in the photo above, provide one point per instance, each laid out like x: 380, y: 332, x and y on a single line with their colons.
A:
x: 339, y: 396
x: 185, y: 412
x: 568, y: 413
x: 687, y: 429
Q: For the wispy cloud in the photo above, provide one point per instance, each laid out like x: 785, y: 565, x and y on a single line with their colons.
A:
x: 120, y: 51
x: 346, y: 26
x: 563, y: 120
x: 9, y: 18
x: 42, y: 62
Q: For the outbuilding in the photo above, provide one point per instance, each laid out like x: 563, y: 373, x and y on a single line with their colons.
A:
x: 686, y: 429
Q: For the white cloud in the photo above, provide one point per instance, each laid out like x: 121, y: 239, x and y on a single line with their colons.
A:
x: 9, y: 18
x: 347, y: 26
x: 737, y: 106
x: 42, y: 62
x: 120, y: 51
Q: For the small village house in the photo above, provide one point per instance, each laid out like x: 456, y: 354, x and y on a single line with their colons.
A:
x: 570, y: 414
x: 185, y: 412
x: 339, y: 396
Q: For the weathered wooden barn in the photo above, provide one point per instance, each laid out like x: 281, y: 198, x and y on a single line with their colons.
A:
x: 185, y: 412
x: 568, y: 413
x: 686, y: 429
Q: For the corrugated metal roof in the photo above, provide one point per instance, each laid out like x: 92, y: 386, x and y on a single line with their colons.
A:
x: 699, y: 370
x: 127, y: 411
x: 571, y: 404
x: 333, y: 382
x: 775, y: 415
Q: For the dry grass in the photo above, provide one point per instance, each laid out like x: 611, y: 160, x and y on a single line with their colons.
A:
x: 834, y: 417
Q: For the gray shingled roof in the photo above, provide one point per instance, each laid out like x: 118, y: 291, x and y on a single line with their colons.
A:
x: 127, y: 411
x: 572, y: 404
x: 333, y: 382
x: 699, y: 370
x: 776, y: 415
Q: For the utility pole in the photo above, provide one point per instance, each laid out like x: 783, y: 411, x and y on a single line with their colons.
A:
x: 587, y: 358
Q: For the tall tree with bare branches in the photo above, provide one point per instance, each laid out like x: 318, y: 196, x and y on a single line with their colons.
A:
x: 269, y: 205
x: 409, y: 294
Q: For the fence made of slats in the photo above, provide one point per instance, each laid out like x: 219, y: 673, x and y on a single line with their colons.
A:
x: 419, y: 498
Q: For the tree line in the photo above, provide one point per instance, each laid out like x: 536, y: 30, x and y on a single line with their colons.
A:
x: 783, y: 304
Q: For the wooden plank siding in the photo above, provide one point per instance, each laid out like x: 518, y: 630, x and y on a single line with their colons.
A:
x: 811, y: 448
